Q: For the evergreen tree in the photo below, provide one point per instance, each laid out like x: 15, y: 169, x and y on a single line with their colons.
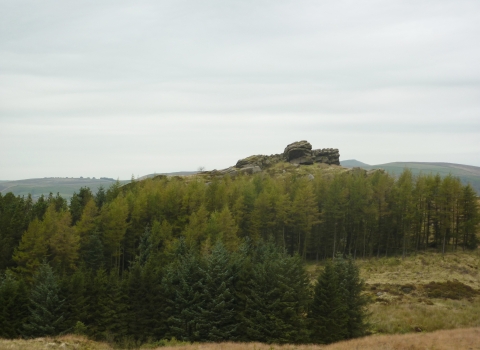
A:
x: 216, y: 317
x: 328, y: 313
x: 45, y: 318
x: 276, y: 297
x: 101, y: 308
x: 184, y: 295
x: 100, y: 197
x: 356, y: 302
x: 338, y: 309
x: 13, y: 306
x: 74, y: 293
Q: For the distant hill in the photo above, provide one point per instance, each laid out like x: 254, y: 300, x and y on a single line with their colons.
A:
x: 353, y: 163
x: 466, y: 173
x: 177, y: 173
x: 65, y: 186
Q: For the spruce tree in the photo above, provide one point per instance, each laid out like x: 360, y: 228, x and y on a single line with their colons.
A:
x: 45, y: 318
x: 338, y: 310
x: 13, y: 306
x: 328, y: 312
x: 74, y: 292
x: 216, y: 317
x: 184, y: 295
x: 276, y: 297
x: 356, y: 302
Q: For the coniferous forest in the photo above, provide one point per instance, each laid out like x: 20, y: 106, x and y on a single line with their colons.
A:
x: 217, y: 260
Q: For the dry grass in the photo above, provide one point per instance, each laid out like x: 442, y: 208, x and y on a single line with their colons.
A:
x: 424, y: 268
x: 401, y: 291
x: 441, y: 340
x: 63, y: 342
x: 410, y: 316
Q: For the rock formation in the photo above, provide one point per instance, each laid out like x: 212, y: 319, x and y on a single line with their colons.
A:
x: 299, y: 153
x: 296, y: 153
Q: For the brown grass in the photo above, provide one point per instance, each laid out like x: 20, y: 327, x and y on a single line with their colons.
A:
x: 467, y: 338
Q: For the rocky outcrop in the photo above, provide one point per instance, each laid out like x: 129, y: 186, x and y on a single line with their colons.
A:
x: 299, y: 153
x: 259, y: 160
x: 329, y: 156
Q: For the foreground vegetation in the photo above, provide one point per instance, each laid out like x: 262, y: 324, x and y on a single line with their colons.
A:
x: 204, y: 258
x: 441, y: 340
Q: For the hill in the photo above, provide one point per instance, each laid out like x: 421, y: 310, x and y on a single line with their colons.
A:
x: 466, y: 173
x: 64, y: 186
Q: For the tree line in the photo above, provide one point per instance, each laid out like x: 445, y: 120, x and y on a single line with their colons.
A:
x: 348, y: 213
x: 144, y: 261
x: 257, y: 293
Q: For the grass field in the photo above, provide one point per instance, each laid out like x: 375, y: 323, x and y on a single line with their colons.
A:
x: 468, y: 338
x: 423, y: 292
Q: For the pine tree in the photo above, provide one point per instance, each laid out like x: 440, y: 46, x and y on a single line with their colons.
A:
x: 338, y: 309
x: 45, y: 318
x: 276, y: 297
x: 216, y: 317
x: 74, y: 292
x: 13, y: 306
x: 183, y: 292
x: 328, y: 313
x: 356, y: 302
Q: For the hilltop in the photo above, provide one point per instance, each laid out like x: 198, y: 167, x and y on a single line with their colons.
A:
x: 298, y: 157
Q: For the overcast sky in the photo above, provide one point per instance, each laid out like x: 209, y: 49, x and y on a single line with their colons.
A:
x: 115, y: 88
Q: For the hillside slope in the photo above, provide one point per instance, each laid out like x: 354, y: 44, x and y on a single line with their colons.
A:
x: 466, y: 173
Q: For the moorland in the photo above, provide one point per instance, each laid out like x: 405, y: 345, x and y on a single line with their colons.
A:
x: 275, y: 255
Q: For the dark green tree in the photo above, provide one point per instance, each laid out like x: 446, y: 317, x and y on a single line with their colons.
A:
x: 45, y: 316
x: 276, y: 297
x: 216, y: 317
x: 328, y: 314
x: 184, y: 295
x: 338, y: 309
x: 13, y: 306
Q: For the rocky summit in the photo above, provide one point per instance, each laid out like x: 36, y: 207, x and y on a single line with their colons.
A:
x: 299, y: 153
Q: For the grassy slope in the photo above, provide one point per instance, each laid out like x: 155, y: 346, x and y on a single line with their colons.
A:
x: 466, y: 173
x: 440, y: 340
x: 401, y: 301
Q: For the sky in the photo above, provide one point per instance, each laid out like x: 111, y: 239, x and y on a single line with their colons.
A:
x: 119, y: 88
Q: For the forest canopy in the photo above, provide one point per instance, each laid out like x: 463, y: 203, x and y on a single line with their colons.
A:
x: 164, y: 257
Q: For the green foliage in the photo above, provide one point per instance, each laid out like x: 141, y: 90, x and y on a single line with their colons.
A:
x: 338, y: 309
x: 164, y: 257
x: 276, y: 296
x: 216, y: 317
x: 45, y: 317
x: 13, y: 306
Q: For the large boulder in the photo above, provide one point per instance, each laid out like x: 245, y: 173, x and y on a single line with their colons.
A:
x: 299, y: 152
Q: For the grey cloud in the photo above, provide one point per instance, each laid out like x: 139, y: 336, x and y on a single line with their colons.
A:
x: 111, y: 79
